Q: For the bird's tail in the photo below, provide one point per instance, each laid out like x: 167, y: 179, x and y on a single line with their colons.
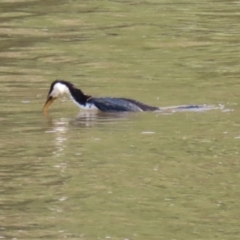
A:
x: 195, y: 108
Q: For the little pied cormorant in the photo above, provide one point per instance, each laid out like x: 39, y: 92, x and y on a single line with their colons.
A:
x: 104, y: 104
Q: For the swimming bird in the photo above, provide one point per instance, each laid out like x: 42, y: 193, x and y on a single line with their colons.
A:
x: 104, y: 104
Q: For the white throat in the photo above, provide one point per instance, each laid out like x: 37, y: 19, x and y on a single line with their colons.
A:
x: 59, y: 89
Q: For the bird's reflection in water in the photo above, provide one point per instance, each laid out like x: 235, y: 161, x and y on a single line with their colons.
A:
x: 87, y: 119
x: 60, y: 127
x: 90, y: 119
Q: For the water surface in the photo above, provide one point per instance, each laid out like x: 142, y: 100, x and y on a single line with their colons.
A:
x: 81, y: 175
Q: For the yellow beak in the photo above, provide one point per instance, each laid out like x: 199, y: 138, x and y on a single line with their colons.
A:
x: 49, y: 101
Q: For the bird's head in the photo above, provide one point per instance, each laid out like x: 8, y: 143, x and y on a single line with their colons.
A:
x: 57, y: 89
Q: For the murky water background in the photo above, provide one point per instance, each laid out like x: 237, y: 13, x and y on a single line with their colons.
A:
x: 129, y: 176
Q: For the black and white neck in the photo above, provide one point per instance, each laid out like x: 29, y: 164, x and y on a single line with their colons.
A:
x: 61, y: 87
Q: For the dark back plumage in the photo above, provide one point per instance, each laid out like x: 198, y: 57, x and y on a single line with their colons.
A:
x: 107, y: 104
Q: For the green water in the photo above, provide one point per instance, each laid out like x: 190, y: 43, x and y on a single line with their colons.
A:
x: 79, y: 175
